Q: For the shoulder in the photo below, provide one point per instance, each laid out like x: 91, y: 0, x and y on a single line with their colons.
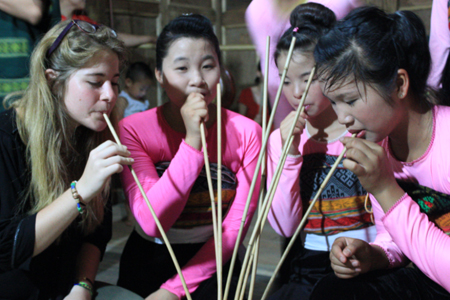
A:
x: 239, y: 122
x: 139, y: 118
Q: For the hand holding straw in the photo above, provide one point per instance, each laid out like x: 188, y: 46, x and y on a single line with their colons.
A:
x: 158, y: 224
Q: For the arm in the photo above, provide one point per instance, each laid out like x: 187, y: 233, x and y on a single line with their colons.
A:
x: 133, y: 40
x: 27, y: 10
x: 420, y: 240
x: 439, y: 41
x: 203, y: 265
x: 286, y: 211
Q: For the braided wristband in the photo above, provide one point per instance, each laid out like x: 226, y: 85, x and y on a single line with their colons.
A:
x: 77, y: 197
x: 87, y: 286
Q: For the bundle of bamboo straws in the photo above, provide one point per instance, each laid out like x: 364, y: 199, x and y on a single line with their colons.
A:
x: 265, y: 198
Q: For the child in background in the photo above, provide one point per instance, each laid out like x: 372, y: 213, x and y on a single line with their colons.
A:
x: 138, y: 81
x: 165, y: 143
x: 373, y: 67
x: 340, y: 211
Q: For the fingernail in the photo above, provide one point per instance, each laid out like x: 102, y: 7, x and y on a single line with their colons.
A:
x: 347, y: 252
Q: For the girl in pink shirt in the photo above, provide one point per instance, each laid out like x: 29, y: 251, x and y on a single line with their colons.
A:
x: 373, y: 67
x: 165, y: 143
x: 340, y: 211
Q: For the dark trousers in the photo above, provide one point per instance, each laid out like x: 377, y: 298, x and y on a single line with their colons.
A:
x: 144, y: 266
x: 306, y: 268
x: 402, y: 283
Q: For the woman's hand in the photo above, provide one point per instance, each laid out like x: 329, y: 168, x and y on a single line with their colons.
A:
x: 194, y: 111
x: 162, y: 294
x: 103, y: 161
x: 350, y: 257
x: 78, y: 293
x: 370, y: 163
x: 285, y: 127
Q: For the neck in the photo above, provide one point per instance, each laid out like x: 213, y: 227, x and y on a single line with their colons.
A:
x: 67, y: 9
x: 411, y: 137
x: 173, y: 117
x: 325, y: 126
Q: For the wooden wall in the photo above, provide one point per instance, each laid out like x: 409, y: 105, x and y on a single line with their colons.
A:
x: 149, y: 16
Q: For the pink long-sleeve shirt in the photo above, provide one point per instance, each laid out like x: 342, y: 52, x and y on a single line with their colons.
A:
x: 341, y: 209
x: 406, y: 233
x: 264, y: 19
x: 439, y: 40
x: 150, y: 140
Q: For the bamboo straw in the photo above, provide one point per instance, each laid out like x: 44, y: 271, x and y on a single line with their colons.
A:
x: 158, y: 224
x: 219, y: 191
x: 304, y: 219
x: 271, y: 192
x: 211, y: 190
x: 262, y: 190
x: 255, y: 175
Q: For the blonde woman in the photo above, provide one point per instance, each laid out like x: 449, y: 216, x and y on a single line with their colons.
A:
x: 53, y: 229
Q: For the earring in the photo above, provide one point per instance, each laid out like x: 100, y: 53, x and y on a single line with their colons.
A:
x: 400, y: 95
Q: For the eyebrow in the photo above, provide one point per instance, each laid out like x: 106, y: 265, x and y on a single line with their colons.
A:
x: 102, y: 74
x: 182, y: 58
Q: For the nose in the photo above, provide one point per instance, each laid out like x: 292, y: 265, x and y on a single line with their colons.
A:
x: 109, y: 92
x: 298, y: 91
x: 344, y: 117
x: 197, y: 79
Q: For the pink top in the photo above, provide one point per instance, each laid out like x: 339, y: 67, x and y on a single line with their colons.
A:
x: 406, y: 233
x: 263, y: 19
x: 150, y: 140
x: 341, y: 208
x: 439, y: 40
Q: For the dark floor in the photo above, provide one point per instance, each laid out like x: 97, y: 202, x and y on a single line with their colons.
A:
x: 268, y: 258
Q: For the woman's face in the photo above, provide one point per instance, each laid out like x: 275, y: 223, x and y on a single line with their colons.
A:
x: 191, y: 65
x: 361, y: 107
x: 296, y: 80
x: 92, y: 91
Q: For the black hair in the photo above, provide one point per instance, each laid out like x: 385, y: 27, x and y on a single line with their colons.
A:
x: 444, y: 91
x: 139, y: 70
x: 185, y: 26
x: 312, y: 20
x: 370, y: 46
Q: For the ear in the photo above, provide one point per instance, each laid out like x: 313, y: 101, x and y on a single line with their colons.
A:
x: 128, y: 82
x: 50, y: 75
x: 159, y: 76
x: 402, y: 83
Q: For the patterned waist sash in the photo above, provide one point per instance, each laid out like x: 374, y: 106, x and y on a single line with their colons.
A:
x: 197, y: 211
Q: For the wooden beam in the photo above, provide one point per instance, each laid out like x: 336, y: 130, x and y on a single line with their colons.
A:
x: 136, y: 8
x: 234, y: 18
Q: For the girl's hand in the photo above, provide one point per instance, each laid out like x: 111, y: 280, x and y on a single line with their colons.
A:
x: 285, y: 127
x: 370, y: 163
x: 194, y: 111
x: 350, y: 257
x: 78, y: 293
x: 103, y: 161
x: 162, y: 294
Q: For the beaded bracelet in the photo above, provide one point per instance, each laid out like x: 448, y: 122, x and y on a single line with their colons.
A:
x: 77, y: 197
x: 87, y: 286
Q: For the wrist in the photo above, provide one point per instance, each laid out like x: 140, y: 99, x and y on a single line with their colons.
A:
x: 389, y: 195
x: 80, y: 292
x: 194, y: 142
x: 379, y: 258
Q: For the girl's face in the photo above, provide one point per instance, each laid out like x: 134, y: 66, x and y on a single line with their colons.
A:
x: 295, y: 83
x: 92, y: 91
x: 191, y: 66
x: 360, y: 107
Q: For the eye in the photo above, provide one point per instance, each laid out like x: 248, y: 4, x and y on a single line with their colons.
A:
x: 332, y: 102
x: 95, y: 84
x: 351, y: 102
x: 286, y: 83
x: 208, y: 67
x: 181, y: 69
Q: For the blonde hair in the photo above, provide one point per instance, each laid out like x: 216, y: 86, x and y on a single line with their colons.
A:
x: 55, y: 154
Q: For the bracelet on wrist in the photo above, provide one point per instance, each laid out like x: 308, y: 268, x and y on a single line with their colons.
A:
x: 81, y: 206
x: 86, y: 286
